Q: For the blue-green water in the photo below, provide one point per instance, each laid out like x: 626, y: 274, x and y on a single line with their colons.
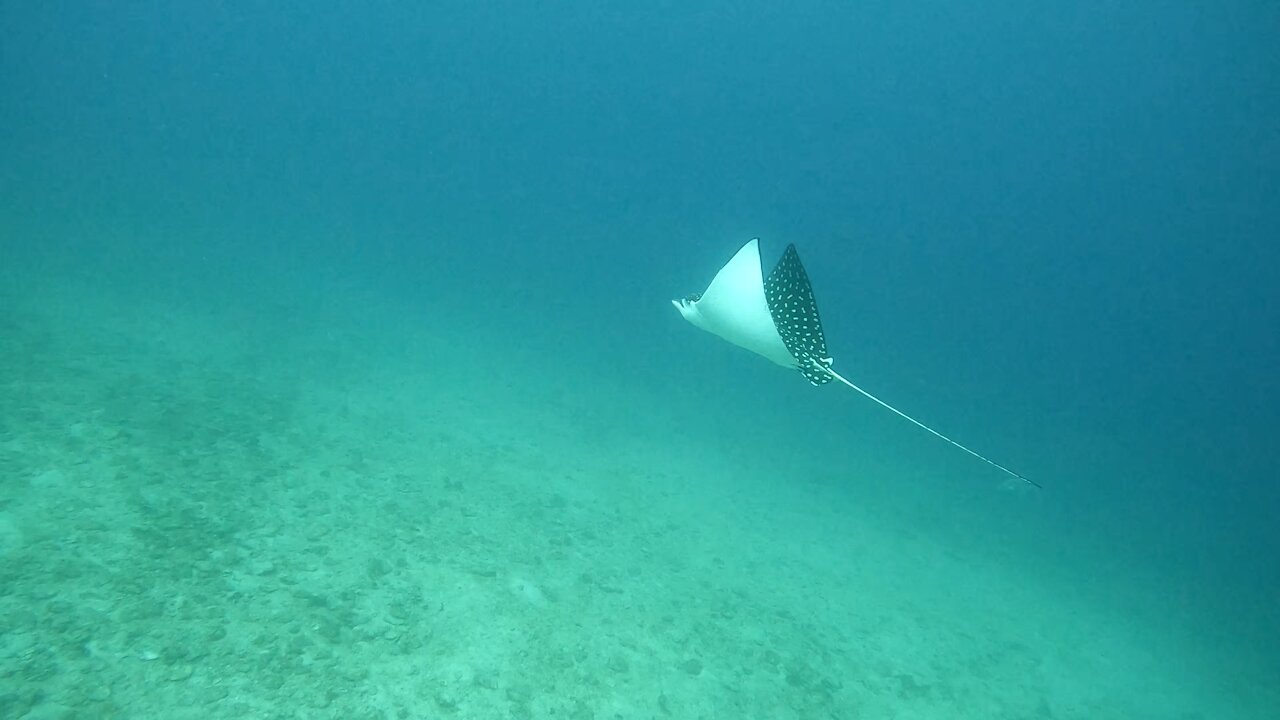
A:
x: 338, y: 376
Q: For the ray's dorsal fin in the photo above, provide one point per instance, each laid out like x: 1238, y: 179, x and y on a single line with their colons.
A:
x: 778, y: 319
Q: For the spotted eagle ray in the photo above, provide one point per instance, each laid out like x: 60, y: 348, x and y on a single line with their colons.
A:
x: 778, y: 318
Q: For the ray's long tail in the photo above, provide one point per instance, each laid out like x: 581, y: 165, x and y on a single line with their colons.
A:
x: 921, y: 425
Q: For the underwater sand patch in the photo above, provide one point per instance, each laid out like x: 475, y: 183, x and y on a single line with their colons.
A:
x: 527, y: 592
x: 10, y: 534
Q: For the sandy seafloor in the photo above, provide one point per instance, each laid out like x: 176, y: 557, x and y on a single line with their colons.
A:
x: 280, y: 511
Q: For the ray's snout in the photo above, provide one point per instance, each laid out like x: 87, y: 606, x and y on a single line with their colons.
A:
x: 684, y: 306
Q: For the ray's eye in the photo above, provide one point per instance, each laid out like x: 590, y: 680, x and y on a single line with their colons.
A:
x: 693, y: 297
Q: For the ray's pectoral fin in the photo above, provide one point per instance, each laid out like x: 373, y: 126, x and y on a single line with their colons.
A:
x: 734, y: 307
x: 795, y: 314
